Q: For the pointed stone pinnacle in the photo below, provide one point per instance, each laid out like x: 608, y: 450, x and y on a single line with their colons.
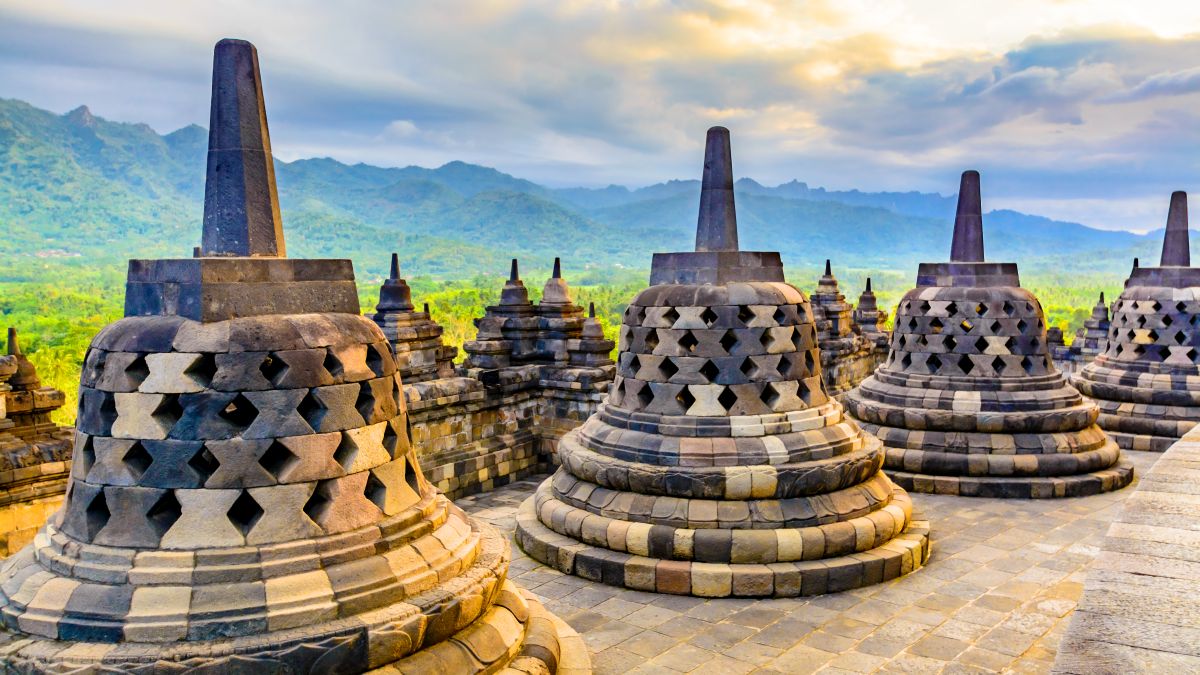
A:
x: 1176, y: 251
x: 241, y: 206
x: 557, y: 269
x: 395, y: 266
x: 14, y: 348
x: 1135, y: 263
x: 868, y: 284
x: 1102, y: 297
x: 425, y: 308
x: 591, y: 310
x: 828, y: 268
x: 513, y: 274
x: 967, y: 245
x: 716, y: 228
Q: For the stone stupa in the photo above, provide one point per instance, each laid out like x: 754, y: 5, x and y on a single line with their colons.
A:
x: 1147, y: 381
x: 415, y: 336
x: 719, y: 465
x: 244, y: 496
x: 969, y: 402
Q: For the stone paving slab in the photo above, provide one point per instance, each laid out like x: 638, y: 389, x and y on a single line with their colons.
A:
x: 1004, y: 577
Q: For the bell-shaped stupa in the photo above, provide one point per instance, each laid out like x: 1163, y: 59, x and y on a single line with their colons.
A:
x: 415, y: 336
x: 969, y: 402
x: 1147, y: 381
x: 719, y: 465
x: 244, y: 497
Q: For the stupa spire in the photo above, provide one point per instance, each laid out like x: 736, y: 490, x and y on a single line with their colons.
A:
x: 868, y: 284
x: 513, y: 273
x: 241, y: 206
x: 967, y: 245
x: 395, y: 275
x: 557, y: 274
x: 828, y: 268
x: 14, y: 348
x: 1176, y: 251
x: 716, y: 228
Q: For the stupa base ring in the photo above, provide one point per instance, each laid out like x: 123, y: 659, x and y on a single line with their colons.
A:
x: 1113, y: 478
x: 1144, y: 442
x: 897, y: 557
x: 513, y: 631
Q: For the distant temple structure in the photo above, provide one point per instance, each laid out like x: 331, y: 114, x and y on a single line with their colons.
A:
x: 969, y: 402
x: 719, y: 464
x: 245, y: 496
x: 415, y: 336
x: 1146, y: 380
x: 35, y: 453
x: 1090, y: 341
x: 850, y: 350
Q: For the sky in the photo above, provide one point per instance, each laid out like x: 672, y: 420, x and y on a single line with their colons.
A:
x: 1081, y: 110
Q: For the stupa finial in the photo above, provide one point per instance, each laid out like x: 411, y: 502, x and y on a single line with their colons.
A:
x: 1102, y: 297
x: 868, y: 284
x: 395, y: 275
x: 591, y: 310
x: 513, y: 273
x: 557, y: 274
x: 14, y: 348
x: 828, y: 268
x: 967, y: 245
x: 241, y: 206
x: 716, y: 228
x: 1176, y: 250
x: 1135, y: 263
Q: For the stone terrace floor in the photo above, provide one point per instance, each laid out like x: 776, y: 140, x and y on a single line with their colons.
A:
x: 995, y: 596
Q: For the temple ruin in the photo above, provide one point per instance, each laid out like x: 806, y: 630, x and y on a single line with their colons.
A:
x: 849, y: 354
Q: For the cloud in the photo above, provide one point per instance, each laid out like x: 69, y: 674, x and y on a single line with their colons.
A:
x: 1162, y: 84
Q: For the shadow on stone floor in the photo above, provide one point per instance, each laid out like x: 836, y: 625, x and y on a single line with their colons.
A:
x: 995, y: 596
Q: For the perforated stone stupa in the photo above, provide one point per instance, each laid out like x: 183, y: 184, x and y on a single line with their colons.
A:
x: 969, y: 402
x: 35, y: 453
x: 719, y: 465
x: 415, y: 336
x: 1090, y: 341
x: 245, y: 497
x: 847, y: 355
x: 1147, y: 382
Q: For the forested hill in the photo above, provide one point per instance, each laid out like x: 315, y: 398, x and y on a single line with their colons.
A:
x: 86, y: 191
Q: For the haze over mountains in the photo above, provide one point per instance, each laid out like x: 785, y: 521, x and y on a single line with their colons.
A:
x: 83, y: 189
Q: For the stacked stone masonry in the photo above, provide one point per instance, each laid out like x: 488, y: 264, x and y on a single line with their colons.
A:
x: 969, y: 402
x: 719, y: 465
x: 35, y: 453
x: 852, y: 341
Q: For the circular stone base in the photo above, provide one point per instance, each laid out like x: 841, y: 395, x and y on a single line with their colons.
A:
x: 512, y: 631
x: 1145, y: 442
x: 1022, y: 487
x: 897, y: 557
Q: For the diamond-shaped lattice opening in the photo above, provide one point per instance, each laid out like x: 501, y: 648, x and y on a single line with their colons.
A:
x: 949, y: 342
x: 137, y: 370
x: 965, y: 364
x: 411, y: 478
x: 745, y: 314
x: 936, y: 325
x: 312, y: 410
x: 202, y: 369
x: 375, y: 491
x: 769, y: 396
x: 84, y: 457
x: 922, y: 341
x: 1120, y: 348
x: 365, y: 403
x: 727, y: 399
x: 240, y: 412
x: 645, y: 396
x: 272, y: 367
x: 907, y: 306
x: 1027, y: 364
x: 1179, y: 337
x: 96, y: 515
x: 925, y: 306
x: 670, y: 316
x: 981, y: 345
x: 1191, y: 354
x: 137, y: 459
x: 900, y: 342
x: 933, y: 363
x: 688, y: 341
x: 634, y: 365
x: 1010, y: 343
x: 912, y: 323
x: 1167, y: 320
x: 164, y: 513
x: 906, y: 361
x: 797, y: 343
x: 244, y: 513
x: 1153, y: 334
x: 1021, y: 326
x: 1129, y: 335
x: 710, y: 371
x: 728, y: 340
x: 748, y: 368
x: 278, y: 460
x: 980, y: 309
x: 668, y: 368
x: 333, y: 365
x: 1194, y: 320
x: 204, y: 463
x: 1157, y: 306
x: 966, y: 326
x: 1034, y: 342
x: 709, y: 317
x: 346, y: 451
x: 766, y: 339
x: 810, y: 363
x: 318, y: 504
x: 951, y: 309
x: 651, y: 340
x: 375, y: 360
x: 780, y: 316
x: 685, y: 399
x: 1141, y: 321
x: 391, y: 439
x: 995, y: 327
x: 999, y: 364
x: 1008, y: 308
x: 1180, y: 306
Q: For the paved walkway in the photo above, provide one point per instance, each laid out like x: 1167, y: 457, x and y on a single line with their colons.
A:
x: 995, y: 596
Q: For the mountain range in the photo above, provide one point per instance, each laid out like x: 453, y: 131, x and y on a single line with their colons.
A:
x: 80, y: 190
